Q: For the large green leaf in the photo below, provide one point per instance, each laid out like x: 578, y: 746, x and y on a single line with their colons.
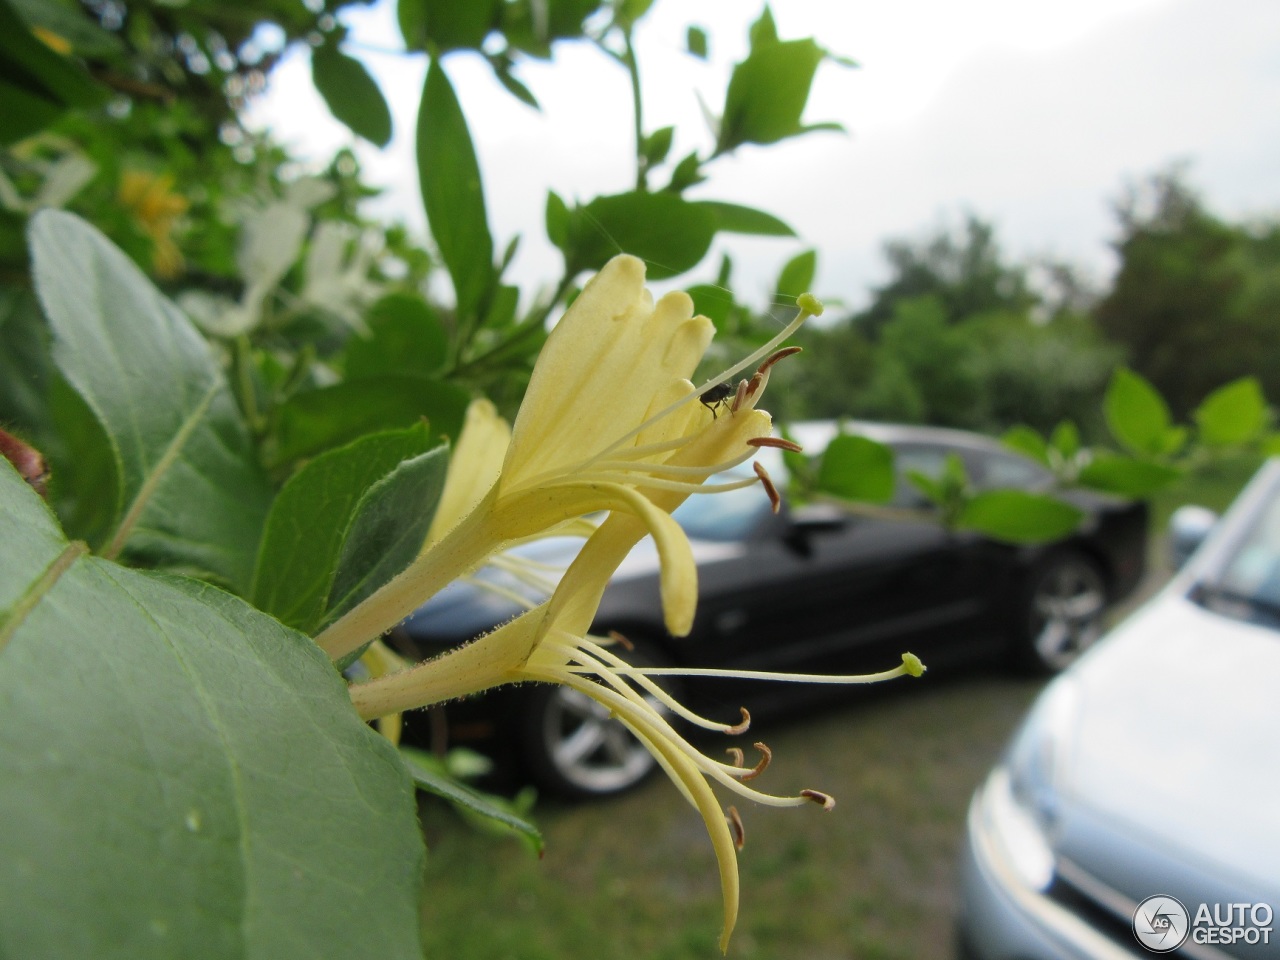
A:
x: 452, y: 191
x: 1018, y: 517
x: 388, y: 529
x: 1232, y: 414
x: 405, y: 337
x: 36, y: 84
x: 857, y: 468
x: 1126, y: 476
x: 796, y: 277
x: 351, y: 94
x: 735, y: 218
x: 183, y: 776
x: 319, y: 420
x: 1137, y: 415
x: 311, y: 519
x: 767, y: 93
x: 669, y: 233
x: 191, y: 495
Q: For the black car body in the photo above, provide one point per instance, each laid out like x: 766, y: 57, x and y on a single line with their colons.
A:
x: 816, y: 589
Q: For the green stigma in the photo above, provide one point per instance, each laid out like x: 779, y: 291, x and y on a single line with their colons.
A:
x: 911, y: 663
x: 810, y: 304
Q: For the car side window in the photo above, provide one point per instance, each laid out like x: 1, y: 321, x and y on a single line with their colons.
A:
x: 992, y: 471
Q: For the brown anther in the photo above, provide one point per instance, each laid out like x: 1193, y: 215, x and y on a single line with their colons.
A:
x: 741, y: 727
x: 739, y: 758
x: 780, y: 442
x: 754, y: 385
x: 622, y: 641
x: 774, y: 499
x: 739, y: 396
x: 739, y: 831
x: 825, y: 800
x: 766, y: 758
x: 774, y: 358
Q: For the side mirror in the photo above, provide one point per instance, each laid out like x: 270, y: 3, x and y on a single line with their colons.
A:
x: 810, y: 521
x: 1188, y: 528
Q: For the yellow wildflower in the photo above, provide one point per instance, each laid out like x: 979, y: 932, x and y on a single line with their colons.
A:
x: 156, y: 207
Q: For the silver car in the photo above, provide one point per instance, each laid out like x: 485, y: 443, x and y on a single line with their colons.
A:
x: 1137, y: 809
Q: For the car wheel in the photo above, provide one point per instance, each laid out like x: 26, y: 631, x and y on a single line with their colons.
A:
x: 573, y: 746
x: 1061, y: 614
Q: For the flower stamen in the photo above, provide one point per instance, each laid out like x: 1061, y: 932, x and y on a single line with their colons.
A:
x: 780, y: 443
x: 775, y: 499
x: 766, y: 758
x: 735, y: 824
x: 824, y: 800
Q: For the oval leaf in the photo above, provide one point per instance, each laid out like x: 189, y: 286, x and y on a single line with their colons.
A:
x: 1232, y: 414
x: 1136, y: 414
x: 188, y: 772
x: 856, y: 468
x: 175, y: 433
x: 1127, y: 477
x: 452, y: 191
x: 1016, y: 516
x: 351, y: 94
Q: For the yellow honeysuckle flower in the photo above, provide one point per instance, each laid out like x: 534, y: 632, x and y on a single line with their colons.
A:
x: 549, y: 644
x: 610, y: 422
x: 156, y: 207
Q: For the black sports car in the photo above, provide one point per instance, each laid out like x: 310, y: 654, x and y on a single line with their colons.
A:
x: 813, y: 589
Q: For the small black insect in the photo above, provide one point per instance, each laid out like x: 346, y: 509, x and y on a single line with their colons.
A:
x: 717, y: 395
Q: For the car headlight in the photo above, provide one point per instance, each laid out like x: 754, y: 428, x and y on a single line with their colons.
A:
x: 1018, y: 806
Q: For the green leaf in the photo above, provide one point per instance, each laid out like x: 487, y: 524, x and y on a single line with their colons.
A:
x: 405, y: 337
x: 764, y: 31
x: 695, y: 42
x: 857, y: 468
x: 441, y: 25
x: 668, y: 232
x: 657, y: 145
x: 1028, y: 442
x: 186, y: 771
x: 1136, y: 414
x: 796, y: 277
x: 312, y: 520
x: 351, y: 94
x: 319, y: 420
x: 767, y: 94
x: 428, y: 775
x: 734, y: 218
x: 1065, y: 440
x: 1233, y: 414
x: 36, y: 84
x: 1127, y: 477
x: 557, y: 220
x: 388, y: 529
x: 502, y: 70
x: 1018, y: 517
x: 175, y: 434
x: 687, y: 173
x: 452, y: 191
x: 714, y: 303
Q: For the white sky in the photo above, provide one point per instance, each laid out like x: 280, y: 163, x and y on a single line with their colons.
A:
x: 1030, y: 113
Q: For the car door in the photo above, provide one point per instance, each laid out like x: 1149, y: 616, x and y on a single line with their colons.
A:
x: 845, y: 592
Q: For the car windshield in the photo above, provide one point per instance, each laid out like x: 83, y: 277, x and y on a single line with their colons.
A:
x: 1248, y: 582
x: 723, y: 517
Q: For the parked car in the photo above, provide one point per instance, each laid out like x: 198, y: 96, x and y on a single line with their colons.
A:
x: 1135, y: 810
x: 809, y: 589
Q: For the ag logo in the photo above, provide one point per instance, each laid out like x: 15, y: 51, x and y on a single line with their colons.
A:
x: 1161, y: 923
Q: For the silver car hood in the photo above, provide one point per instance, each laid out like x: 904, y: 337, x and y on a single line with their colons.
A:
x: 1174, y: 765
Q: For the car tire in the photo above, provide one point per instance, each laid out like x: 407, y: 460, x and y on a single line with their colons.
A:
x: 573, y: 747
x: 1060, y: 614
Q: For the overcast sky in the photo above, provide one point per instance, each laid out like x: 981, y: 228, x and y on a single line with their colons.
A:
x: 1030, y: 113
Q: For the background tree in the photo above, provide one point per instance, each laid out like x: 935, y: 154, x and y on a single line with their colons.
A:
x: 1196, y: 300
